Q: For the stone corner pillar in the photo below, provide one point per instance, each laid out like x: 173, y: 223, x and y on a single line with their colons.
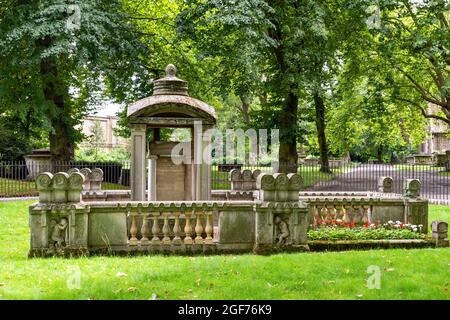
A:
x: 138, y: 161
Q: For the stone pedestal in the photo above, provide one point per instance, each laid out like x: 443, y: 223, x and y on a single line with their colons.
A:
x: 37, y: 162
x: 439, y: 233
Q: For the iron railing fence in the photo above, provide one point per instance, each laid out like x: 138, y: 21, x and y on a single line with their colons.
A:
x: 17, y: 177
x: 354, y: 177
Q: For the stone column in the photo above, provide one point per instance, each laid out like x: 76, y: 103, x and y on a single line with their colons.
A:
x: 138, y: 162
x: 152, y: 178
x: 198, y: 159
x: 205, y: 180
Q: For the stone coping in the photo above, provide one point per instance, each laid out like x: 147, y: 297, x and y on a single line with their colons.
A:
x: 169, y: 204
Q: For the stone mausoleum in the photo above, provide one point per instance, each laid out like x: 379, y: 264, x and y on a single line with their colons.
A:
x: 170, y: 106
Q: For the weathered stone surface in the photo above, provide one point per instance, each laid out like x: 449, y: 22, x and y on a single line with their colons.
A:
x: 96, y: 178
x: 237, y: 226
x: 44, y: 186
x: 75, y: 186
x: 107, y: 229
x: 412, y: 188
x: 244, y: 180
x: 385, y: 184
x: 439, y: 233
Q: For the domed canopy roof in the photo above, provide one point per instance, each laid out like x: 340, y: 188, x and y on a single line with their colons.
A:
x: 171, y: 101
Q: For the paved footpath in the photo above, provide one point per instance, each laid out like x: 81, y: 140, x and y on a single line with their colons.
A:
x: 435, y: 185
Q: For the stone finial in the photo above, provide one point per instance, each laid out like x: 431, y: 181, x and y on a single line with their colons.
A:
x: 281, y: 181
x: 411, y: 188
x: 265, y: 181
x: 255, y: 175
x: 60, y: 185
x: 86, y: 172
x: 71, y: 170
x: 267, y: 187
x: 244, y: 180
x: 75, y: 186
x: 236, y: 181
x: 385, y: 184
x: 439, y: 233
x: 171, y: 70
x: 44, y: 186
x: 95, y: 179
x: 170, y: 84
x: 295, y: 182
x: 247, y: 179
x: 279, y: 187
x: 295, y: 185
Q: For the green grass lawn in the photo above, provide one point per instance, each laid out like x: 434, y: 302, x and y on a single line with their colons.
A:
x: 405, y: 274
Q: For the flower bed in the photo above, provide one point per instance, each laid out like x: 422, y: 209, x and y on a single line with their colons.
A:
x: 335, y: 230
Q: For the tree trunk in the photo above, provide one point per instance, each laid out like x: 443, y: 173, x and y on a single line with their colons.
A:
x: 288, y: 157
x: 380, y: 154
x: 245, y: 108
x: 320, y: 125
x: 61, y: 144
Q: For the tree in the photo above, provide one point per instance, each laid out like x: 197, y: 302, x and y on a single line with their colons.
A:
x: 97, y: 137
x: 414, y: 41
x: 59, y: 57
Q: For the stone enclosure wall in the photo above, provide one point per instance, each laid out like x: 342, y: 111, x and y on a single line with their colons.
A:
x: 61, y: 223
x: 270, y: 214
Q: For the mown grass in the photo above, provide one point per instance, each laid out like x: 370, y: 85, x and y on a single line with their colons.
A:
x: 405, y: 274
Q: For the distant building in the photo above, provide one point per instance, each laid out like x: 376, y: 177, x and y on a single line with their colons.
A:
x: 437, y: 134
x: 103, y: 127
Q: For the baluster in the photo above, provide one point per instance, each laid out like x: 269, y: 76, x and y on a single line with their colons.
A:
x: 188, y: 228
x: 356, y: 214
x: 198, y: 228
x: 339, y: 212
x: 315, y: 215
x: 145, y: 230
x: 365, y: 218
x: 166, y: 229
x: 155, y: 229
x: 209, y: 228
x: 323, y: 212
x: 346, y: 217
x: 331, y: 212
x: 176, y: 229
x: 133, y: 230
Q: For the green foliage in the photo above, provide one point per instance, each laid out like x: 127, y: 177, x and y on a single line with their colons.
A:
x: 117, y: 154
x: 55, y: 72
x: 361, y: 233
